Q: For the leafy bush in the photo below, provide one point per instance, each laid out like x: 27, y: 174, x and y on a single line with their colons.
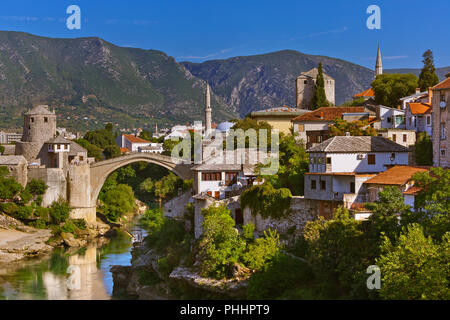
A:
x: 247, y: 231
x: 42, y: 213
x: 171, y: 232
x: 153, y: 219
x: 10, y: 208
x: 283, y: 278
x: 80, y: 224
x: 263, y: 250
x: 267, y: 201
x: 39, y: 224
x: 69, y: 227
x: 24, y: 212
x: 36, y: 187
x: 59, y: 211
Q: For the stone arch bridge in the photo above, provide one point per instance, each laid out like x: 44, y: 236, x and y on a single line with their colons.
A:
x: 86, y: 181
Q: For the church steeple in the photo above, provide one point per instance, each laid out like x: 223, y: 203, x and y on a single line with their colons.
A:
x: 208, y: 110
x: 379, y: 64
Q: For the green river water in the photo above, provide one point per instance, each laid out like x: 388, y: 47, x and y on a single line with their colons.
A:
x: 68, y: 274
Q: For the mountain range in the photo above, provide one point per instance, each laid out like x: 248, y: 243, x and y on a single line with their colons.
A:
x: 91, y: 81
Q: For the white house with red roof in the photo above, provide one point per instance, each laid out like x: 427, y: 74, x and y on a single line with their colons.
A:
x: 135, y: 144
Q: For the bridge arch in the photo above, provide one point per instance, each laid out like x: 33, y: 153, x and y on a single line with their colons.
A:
x: 101, y: 170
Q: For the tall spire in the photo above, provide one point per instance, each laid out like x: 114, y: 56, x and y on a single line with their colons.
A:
x: 207, y: 110
x: 379, y: 64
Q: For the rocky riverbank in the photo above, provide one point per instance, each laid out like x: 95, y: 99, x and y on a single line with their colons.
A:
x: 144, y: 280
x: 19, y: 242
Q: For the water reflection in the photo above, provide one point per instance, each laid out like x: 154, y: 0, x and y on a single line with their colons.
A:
x: 89, y: 277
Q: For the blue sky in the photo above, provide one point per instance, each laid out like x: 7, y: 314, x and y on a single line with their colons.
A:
x: 199, y: 30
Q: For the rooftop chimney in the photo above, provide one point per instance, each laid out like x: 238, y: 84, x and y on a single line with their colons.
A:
x: 321, y: 114
x: 417, y: 90
x: 347, y: 134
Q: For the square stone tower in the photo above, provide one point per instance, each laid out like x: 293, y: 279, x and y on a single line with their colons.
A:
x: 305, y: 88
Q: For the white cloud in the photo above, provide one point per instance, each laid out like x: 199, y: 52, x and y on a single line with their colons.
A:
x: 322, y: 33
x: 211, y: 55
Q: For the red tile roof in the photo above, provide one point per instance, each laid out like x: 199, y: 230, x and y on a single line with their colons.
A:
x: 124, y: 150
x: 134, y: 139
x: 442, y: 85
x: 420, y: 108
x: 327, y: 113
x: 366, y: 93
x: 397, y: 175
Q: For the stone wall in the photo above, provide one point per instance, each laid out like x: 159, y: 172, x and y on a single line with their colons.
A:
x: 302, y: 211
x: 55, y: 180
x: 175, y: 207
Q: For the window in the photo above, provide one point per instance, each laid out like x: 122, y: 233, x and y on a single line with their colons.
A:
x: 305, y: 82
x: 394, y: 137
x: 32, y: 119
x: 371, y: 159
x: 442, y: 97
x: 428, y: 120
x: 323, y: 185
x: 45, y: 119
x: 230, y: 178
x: 442, y: 131
x: 313, y: 184
x: 352, y: 187
x: 442, y: 152
x: 211, y: 176
x: 410, y: 122
x: 328, y: 160
x: 404, y: 138
x: 389, y: 120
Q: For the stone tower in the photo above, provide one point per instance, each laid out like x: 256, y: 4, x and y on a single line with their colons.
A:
x: 305, y: 88
x: 39, y: 127
x: 208, y: 110
x: 379, y: 64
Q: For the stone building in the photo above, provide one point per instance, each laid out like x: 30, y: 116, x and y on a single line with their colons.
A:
x: 441, y: 120
x: 305, y: 88
x: 39, y: 127
x: 279, y: 118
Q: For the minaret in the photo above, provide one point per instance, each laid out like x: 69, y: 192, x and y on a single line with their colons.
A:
x: 207, y: 111
x: 379, y: 65
x: 156, y: 128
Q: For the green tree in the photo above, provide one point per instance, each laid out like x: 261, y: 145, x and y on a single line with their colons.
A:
x: 118, y: 201
x: 320, y: 99
x: 336, y: 252
x: 246, y: 124
x: 428, y: 77
x: 221, y: 245
x: 386, y: 213
x: 168, y: 186
x: 263, y: 250
x: 435, y: 190
x: 415, y: 267
x: 293, y: 164
x: 59, y: 211
x: 111, y: 151
x: 93, y: 150
x: 423, y: 150
x: 389, y: 88
x: 9, y: 187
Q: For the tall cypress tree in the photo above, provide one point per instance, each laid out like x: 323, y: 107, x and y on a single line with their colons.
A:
x: 428, y: 77
x: 320, y: 99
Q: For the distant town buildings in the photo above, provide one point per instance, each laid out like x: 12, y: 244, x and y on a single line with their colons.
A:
x: 279, y: 118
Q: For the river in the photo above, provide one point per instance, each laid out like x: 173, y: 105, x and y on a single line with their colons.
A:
x: 69, y: 274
